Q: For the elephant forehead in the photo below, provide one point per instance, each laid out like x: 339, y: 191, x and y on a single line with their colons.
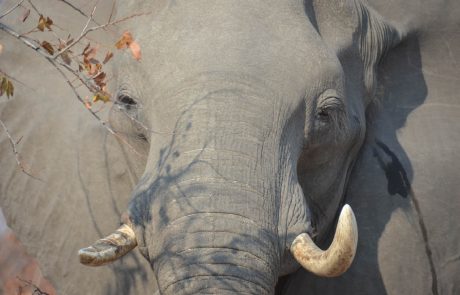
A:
x: 274, y: 43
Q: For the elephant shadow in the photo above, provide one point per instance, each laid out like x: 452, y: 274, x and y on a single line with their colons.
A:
x: 379, y: 190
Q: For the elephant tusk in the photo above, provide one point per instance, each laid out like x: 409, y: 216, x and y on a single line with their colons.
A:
x: 110, y: 248
x: 335, y: 260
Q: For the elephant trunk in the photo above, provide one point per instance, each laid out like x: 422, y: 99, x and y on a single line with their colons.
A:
x: 217, y: 253
x: 219, y: 231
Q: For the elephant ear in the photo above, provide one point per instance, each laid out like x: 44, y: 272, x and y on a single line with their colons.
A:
x: 354, y: 30
x: 376, y: 37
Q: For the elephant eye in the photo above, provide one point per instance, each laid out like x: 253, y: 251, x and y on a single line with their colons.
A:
x: 126, y: 101
x: 323, y: 114
x: 329, y: 107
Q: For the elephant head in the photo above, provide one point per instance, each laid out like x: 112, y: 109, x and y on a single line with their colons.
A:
x: 252, y: 113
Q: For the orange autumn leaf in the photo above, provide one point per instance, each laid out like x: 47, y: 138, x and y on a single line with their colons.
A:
x: 44, y: 23
x: 127, y: 41
x: 124, y: 41
x: 135, y: 50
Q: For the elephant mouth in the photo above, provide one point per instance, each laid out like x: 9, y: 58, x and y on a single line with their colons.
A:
x: 325, y: 263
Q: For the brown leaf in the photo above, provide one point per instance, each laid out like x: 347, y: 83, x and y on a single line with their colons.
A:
x: 3, y: 86
x: 6, y: 87
x: 94, y: 61
x: 89, y: 53
x: 48, y: 23
x: 80, y: 68
x: 107, y: 57
x: 44, y: 23
x: 101, y: 96
x: 99, y: 79
x: 10, y: 89
x: 135, y: 50
x: 86, y: 48
x: 25, y: 15
x: 124, y: 41
x: 48, y: 47
x: 1, y: 48
x: 41, y: 23
x: 66, y: 58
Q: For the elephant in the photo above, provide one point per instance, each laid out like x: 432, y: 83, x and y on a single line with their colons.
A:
x: 248, y: 129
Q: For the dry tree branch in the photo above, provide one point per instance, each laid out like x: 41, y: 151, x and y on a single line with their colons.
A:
x: 36, y: 290
x: 30, y: 43
x: 99, y: 27
x: 74, y: 7
x: 88, y: 82
x: 16, y: 153
x: 11, y: 9
x: 83, y: 33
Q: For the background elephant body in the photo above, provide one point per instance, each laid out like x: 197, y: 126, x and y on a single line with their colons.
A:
x: 244, y: 102
x: 404, y: 188
x: 85, y: 180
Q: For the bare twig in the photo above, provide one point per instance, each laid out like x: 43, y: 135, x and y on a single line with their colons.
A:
x: 30, y: 43
x: 74, y: 7
x: 80, y: 99
x: 16, y: 153
x: 95, y: 115
x: 99, y: 27
x: 83, y: 33
x: 12, y: 78
x: 36, y: 290
x: 57, y: 64
x: 112, y: 11
x: 33, y: 7
x: 11, y: 9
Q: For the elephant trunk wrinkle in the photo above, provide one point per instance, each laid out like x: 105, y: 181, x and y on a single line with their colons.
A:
x: 192, y: 270
x: 212, y: 241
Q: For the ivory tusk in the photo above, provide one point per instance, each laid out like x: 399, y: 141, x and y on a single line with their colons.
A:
x: 335, y: 260
x: 110, y: 248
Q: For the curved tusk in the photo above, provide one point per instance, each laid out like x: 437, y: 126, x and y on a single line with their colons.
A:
x: 338, y: 258
x: 110, y: 248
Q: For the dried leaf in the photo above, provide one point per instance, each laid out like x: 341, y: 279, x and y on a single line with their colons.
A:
x: 48, y: 23
x: 25, y: 15
x: 3, y: 85
x: 80, y: 68
x: 66, y: 58
x: 6, y: 87
x: 135, y: 50
x: 94, y: 61
x: 1, y: 48
x: 48, y: 47
x: 101, y: 96
x: 99, y: 79
x: 10, y: 89
x: 44, y: 23
x: 124, y: 41
x: 89, y: 53
x: 107, y: 57
x: 86, y: 48
x: 41, y: 23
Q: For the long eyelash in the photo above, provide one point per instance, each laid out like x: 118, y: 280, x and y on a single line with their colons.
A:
x: 338, y: 121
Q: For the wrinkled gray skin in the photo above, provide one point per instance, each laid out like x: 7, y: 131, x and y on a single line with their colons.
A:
x: 257, y: 112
